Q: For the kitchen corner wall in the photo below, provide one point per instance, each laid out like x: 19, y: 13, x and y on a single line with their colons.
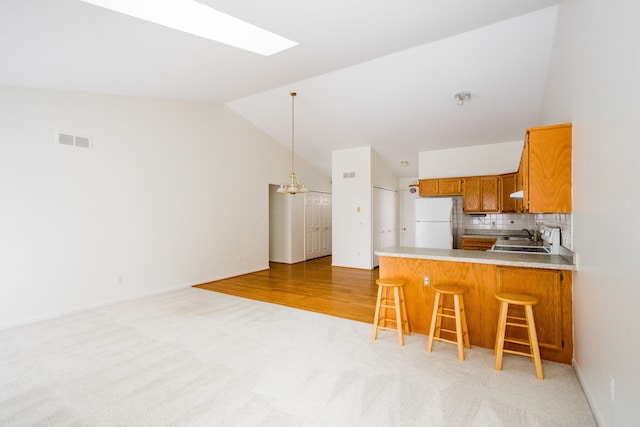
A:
x: 462, y: 221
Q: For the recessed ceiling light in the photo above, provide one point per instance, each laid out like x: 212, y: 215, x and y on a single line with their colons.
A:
x: 195, y: 18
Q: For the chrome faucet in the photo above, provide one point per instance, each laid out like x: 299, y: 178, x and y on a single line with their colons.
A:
x: 535, y: 236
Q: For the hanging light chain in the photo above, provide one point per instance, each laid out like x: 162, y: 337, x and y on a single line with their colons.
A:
x: 292, y: 187
x: 293, y: 97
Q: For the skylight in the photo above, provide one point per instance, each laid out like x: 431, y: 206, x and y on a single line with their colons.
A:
x: 195, y: 18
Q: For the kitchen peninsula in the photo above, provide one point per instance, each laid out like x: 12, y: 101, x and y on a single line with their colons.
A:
x: 547, y: 277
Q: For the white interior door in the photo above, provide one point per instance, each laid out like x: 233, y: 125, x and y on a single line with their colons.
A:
x: 317, y: 224
x: 325, y: 225
x: 408, y: 219
x: 385, y: 220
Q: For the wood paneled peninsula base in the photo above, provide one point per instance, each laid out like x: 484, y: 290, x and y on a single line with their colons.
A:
x: 547, y: 277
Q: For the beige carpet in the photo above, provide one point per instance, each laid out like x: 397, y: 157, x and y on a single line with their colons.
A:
x: 199, y: 358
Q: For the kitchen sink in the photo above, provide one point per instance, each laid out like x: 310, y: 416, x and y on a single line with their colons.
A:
x: 528, y: 239
x: 549, y: 244
x: 522, y: 249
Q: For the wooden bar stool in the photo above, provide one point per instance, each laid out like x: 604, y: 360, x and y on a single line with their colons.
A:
x: 385, y: 287
x: 439, y: 311
x: 526, y: 322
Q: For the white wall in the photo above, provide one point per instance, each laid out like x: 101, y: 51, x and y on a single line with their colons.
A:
x: 466, y: 161
x: 172, y: 194
x: 351, y: 211
x: 286, y: 227
x: 381, y: 173
x: 279, y: 226
x: 594, y: 83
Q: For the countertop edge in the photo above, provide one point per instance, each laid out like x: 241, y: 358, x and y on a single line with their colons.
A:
x: 551, y: 262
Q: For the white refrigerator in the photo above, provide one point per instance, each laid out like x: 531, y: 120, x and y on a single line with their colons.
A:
x: 434, y: 223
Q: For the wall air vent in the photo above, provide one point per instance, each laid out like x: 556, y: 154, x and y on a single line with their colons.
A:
x: 66, y: 138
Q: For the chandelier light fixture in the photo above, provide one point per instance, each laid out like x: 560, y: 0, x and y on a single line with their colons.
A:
x: 292, y: 187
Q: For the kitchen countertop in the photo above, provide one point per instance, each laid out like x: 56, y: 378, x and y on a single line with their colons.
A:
x: 552, y: 262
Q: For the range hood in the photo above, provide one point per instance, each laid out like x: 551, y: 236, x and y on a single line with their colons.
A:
x: 518, y: 195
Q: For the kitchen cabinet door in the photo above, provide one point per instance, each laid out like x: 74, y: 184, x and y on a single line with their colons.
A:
x: 428, y: 187
x: 507, y: 186
x: 450, y: 186
x: 471, y: 195
x: 546, y: 285
x: 480, y: 194
x: 440, y: 187
x: 490, y: 200
x: 522, y: 179
x: 548, y: 184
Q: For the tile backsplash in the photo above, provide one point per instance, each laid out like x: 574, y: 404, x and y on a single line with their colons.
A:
x: 462, y: 221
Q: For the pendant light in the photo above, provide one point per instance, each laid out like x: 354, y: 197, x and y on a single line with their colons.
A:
x: 292, y: 187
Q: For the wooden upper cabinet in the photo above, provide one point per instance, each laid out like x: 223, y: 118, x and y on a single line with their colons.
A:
x: 450, y: 186
x: 546, y: 177
x: 480, y: 194
x: 428, y: 187
x: 523, y: 171
x: 507, y: 186
x: 490, y: 199
x: 471, y: 195
x: 440, y: 187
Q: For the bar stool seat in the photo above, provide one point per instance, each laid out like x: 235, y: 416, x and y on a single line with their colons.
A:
x: 384, y: 302
x: 527, y: 322
x: 439, y: 311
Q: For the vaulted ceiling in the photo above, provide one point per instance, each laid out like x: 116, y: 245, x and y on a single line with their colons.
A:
x: 367, y: 72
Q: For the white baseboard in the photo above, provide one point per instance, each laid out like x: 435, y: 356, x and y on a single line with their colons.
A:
x: 89, y: 307
x: 227, y: 276
x: 589, y: 396
x: 50, y: 316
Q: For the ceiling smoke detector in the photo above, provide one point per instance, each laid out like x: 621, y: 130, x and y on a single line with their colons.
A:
x: 462, y: 97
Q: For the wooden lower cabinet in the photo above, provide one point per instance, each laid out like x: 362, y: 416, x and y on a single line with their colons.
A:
x: 477, y: 243
x: 547, y: 286
x: 553, y: 314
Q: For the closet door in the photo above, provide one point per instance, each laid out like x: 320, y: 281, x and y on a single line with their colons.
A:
x: 325, y: 225
x: 312, y: 226
x: 385, y: 220
x: 317, y: 225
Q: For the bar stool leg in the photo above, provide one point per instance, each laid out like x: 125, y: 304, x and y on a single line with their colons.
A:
x: 465, y: 330
x: 502, y: 326
x: 396, y: 296
x: 434, y: 319
x: 533, y: 339
x: 456, y: 305
x: 377, y: 314
x: 405, y: 319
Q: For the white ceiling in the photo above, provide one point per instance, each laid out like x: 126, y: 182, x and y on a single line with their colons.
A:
x: 367, y: 72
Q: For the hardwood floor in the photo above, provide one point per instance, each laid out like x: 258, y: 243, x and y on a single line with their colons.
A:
x: 311, y: 285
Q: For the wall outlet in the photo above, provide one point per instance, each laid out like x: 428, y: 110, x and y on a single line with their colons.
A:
x: 612, y: 388
x: 119, y: 279
x: 426, y: 281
